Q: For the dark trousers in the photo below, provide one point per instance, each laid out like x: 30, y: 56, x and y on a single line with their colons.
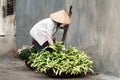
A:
x: 38, y: 47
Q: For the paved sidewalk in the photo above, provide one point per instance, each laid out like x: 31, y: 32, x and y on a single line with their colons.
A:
x: 15, y: 69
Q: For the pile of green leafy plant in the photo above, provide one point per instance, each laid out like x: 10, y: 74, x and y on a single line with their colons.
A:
x: 61, y: 60
x: 26, y: 52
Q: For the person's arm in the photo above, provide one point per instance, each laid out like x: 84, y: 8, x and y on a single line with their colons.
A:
x: 51, y: 29
x: 49, y: 33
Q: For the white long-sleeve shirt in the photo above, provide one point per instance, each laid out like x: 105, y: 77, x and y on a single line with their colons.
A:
x: 43, y: 31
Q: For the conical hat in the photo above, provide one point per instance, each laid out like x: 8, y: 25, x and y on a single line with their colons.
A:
x: 61, y: 17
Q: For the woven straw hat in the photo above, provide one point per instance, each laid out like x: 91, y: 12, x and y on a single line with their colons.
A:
x: 61, y: 17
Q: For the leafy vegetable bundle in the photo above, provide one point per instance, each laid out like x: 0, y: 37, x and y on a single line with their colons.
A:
x: 26, y: 52
x: 60, y: 60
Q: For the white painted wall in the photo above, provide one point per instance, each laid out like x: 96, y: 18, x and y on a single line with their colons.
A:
x: 8, y: 29
x: 8, y: 23
x: 1, y: 19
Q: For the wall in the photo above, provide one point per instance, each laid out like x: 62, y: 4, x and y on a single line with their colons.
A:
x: 1, y: 30
x: 94, y: 29
x: 7, y: 31
x: 8, y: 23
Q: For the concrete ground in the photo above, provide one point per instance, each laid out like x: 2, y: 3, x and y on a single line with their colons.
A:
x: 15, y: 69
